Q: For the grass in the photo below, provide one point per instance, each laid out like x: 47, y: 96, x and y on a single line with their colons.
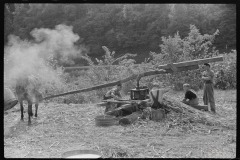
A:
x: 62, y: 127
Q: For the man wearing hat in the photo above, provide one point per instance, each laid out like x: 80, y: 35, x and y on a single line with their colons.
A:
x: 208, y: 92
x: 113, y: 93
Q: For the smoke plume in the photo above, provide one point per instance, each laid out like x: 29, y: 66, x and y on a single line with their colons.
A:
x: 33, y: 56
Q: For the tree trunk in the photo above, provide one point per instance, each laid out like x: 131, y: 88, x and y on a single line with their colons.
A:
x: 130, y: 118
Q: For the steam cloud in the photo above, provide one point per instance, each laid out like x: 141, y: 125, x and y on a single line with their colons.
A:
x: 30, y: 57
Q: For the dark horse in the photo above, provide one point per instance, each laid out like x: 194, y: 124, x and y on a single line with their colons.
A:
x: 27, y: 88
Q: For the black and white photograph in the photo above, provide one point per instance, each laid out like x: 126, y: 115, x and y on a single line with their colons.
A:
x: 120, y: 80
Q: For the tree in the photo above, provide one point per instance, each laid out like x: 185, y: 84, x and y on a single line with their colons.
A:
x: 176, y: 49
x: 8, y: 18
x: 227, y: 25
x: 179, y: 19
x: 18, y: 22
x: 124, y: 27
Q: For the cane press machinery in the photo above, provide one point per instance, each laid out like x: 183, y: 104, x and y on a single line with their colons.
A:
x: 140, y: 92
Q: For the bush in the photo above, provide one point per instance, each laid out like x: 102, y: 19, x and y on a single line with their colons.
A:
x: 226, y: 72
x: 98, y: 75
x: 194, y: 46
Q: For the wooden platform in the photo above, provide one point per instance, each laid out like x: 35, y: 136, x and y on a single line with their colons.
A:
x: 125, y: 101
x: 201, y: 107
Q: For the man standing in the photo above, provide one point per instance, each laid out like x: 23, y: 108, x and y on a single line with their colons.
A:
x: 208, y: 92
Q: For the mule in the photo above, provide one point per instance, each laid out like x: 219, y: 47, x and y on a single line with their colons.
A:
x: 27, y: 88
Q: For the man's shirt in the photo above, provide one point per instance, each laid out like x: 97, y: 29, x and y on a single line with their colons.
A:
x: 209, y: 74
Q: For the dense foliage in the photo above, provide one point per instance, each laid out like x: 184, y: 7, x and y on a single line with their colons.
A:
x: 177, y: 49
x: 174, y: 49
x: 132, y: 28
x: 226, y: 71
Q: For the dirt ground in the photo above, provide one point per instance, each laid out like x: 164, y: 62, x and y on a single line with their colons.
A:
x: 61, y: 127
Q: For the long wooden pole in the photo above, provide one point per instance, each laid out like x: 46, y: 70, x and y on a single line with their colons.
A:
x: 192, y: 62
x: 180, y: 64
x: 124, y: 80
x: 102, y: 85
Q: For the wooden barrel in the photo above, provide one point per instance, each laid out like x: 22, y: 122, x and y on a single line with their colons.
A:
x: 105, y: 120
x: 9, y: 99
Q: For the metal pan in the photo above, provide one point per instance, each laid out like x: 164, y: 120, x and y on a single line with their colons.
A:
x: 81, y: 154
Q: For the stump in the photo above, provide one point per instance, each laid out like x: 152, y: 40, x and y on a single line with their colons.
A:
x: 157, y: 114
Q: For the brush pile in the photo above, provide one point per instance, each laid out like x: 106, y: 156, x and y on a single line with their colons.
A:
x: 192, y: 115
